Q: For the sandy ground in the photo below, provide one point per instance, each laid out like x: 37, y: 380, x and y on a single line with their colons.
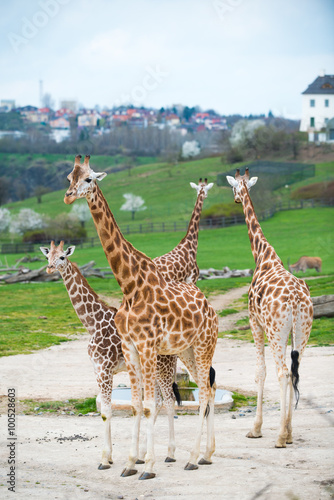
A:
x: 57, y: 456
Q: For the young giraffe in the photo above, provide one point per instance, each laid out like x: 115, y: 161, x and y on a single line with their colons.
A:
x: 180, y: 263
x: 156, y: 317
x: 279, y: 303
x: 105, y: 347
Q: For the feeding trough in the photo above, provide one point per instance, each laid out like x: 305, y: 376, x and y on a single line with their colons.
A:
x: 121, y: 400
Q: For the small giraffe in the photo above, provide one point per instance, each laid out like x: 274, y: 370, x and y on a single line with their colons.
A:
x: 156, y: 317
x: 105, y: 347
x: 279, y: 303
x: 180, y: 263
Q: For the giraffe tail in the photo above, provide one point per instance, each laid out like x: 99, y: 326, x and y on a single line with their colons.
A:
x: 295, y: 374
x: 177, y: 394
x: 295, y: 357
x: 212, y: 377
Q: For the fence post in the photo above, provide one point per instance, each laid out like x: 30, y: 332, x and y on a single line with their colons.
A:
x: 163, y: 227
x: 174, y: 226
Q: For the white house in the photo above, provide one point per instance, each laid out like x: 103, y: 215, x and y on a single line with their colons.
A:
x: 318, y: 109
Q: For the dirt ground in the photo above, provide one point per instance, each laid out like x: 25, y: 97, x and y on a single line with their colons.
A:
x: 57, y: 456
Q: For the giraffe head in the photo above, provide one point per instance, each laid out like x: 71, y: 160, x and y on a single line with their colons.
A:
x: 239, y: 182
x: 82, y: 180
x: 57, y: 256
x: 202, y: 187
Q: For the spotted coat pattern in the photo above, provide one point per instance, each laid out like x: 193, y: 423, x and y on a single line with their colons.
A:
x: 279, y: 303
x: 180, y: 263
x: 105, y: 346
x: 156, y: 317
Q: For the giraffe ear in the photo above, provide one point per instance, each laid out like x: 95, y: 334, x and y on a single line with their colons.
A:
x: 99, y: 175
x: 45, y: 251
x: 231, y: 180
x: 209, y: 186
x: 69, y: 251
x: 193, y: 185
x: 252, y: 181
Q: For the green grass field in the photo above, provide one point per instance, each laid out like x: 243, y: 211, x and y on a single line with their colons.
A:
x: 168, y: 196
x: 293, y: 234
x: 165, y: 189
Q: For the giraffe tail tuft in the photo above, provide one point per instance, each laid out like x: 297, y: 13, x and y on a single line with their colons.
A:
x: 177, y: 394
x: 212, y: 376
x: 295, y: 374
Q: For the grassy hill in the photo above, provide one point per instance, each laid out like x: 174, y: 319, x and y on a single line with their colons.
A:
x: 293, y: 234
x: 165, y: 189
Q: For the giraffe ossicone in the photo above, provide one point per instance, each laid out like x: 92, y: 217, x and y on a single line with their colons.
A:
x: 157, y: 317
x: 279, y: 304
x: 105, y: 346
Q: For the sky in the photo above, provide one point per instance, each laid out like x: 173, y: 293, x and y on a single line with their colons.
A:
x: 234, y: 56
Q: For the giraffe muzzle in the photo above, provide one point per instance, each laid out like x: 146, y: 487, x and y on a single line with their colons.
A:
x: 50, y: 269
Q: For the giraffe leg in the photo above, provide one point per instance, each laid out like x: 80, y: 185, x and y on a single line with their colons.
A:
x: 149, y: 365
x: 210, y: 435
x: 289, y: 416
x: 205, y: 397
x: 260, y: 376
x: 166, y: 366
x: 199, y: 370
x: 134, y: 369
x: 283, y: 377
x: 106, y: 460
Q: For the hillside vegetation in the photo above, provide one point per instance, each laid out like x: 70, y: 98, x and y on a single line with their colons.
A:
x: 164, y: 187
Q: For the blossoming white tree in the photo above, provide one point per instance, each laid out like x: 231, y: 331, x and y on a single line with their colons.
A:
x: 4, y: 219
x: 190, y: 149
x: 81, y: 212
x: 133, y: 204
x: 243, y: 131
x: 26, y: 220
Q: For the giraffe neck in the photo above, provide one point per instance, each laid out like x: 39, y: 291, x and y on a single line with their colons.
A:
x: 80, y: 293
x: 129, y: 266
x: 256, y: 236
x: 193, y: 227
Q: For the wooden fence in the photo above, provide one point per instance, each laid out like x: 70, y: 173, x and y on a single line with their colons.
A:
x: 170, y: 227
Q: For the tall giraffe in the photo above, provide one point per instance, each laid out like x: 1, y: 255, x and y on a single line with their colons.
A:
x: 105, y: 347
x: 279, y: 303
x: 180, y: 263
x: 156, y: 317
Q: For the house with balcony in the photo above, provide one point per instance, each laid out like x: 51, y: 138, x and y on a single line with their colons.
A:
x: 318, y: 110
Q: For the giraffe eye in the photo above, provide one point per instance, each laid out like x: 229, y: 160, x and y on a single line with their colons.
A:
x: 88, y: 180
x: 62, y: 258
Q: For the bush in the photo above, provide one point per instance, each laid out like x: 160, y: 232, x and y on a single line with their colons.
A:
x: 317, y: 191
x: 234, y: 155
x: 48, y: 234
x: 222, y: 210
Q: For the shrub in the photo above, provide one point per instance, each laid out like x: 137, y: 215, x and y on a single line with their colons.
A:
x: 222, y: 210
x: 317, y: 191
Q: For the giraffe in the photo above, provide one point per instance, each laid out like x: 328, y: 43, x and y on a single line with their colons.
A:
x: 155, y: 317
x: 105, y: 347
x: 180, y: 263
x: 278, y: 303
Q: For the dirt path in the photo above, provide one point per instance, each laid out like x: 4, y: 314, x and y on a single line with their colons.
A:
x: 58, y: 455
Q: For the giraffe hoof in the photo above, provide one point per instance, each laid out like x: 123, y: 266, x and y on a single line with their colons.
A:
x: 253, y: 436
x: 140, y: 462
x: 104, y: 466
x: 190, y: 466
x: 169, y: 459
x: 280, y: 445
x: 128, y: 472
x: 204, y: 462
x: 289, y: 441
x: 111, y: 462
x: 147, y: 475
